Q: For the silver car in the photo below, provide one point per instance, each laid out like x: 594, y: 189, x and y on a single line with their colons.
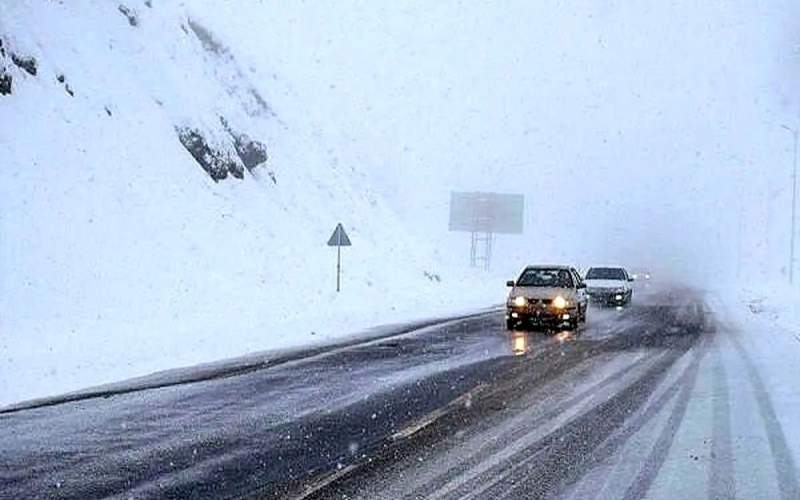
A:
x: 609, y: 286
x: 549, y: 296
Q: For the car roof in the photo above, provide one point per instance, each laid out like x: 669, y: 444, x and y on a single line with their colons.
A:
x: 541, y: 266
x: 607, y: 267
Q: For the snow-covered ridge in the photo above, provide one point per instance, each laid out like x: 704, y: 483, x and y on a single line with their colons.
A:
x: 164, y: 203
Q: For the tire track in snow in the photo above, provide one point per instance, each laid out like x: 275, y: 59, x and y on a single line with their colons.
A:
x: 482, y: 460
x: 543, y: 469
x: 785, y: 467
x: 650, y: 410
x: 655, y: 460
x: 721, y: 480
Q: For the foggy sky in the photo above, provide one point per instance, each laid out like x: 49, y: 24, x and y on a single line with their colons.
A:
x: 639, y: 132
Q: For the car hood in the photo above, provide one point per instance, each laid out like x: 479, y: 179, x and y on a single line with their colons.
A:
x: 606, y: 283
x: 540, y: 292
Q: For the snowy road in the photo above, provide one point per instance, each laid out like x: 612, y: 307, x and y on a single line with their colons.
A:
x: 663, y: 400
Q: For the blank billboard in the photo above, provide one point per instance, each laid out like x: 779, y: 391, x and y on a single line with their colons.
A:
x: 487, y: 212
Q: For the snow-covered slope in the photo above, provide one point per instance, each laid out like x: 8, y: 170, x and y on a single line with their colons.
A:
x: 121, y: 254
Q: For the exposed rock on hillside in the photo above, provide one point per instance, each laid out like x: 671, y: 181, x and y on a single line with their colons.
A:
x: 218, y: 164
x: 5, y: 77
x: 129, y: 14
x: 62, y: 79
x: 5, y: 82
x: 26, y: 63
x: 252, y: 153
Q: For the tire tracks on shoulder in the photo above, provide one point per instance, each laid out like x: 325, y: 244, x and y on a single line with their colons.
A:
x: 785, y: 467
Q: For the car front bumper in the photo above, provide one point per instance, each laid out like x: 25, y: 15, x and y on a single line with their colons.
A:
x: 541, y: 315
x: 608, y: 298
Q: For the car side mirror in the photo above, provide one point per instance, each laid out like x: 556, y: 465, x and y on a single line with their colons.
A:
x: 631, y: 279
x: 510, y: 283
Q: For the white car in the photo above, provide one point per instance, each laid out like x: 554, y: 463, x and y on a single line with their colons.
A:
x: 609, y: 286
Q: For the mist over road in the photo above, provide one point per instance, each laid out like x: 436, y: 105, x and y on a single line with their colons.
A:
x: 460, y: 409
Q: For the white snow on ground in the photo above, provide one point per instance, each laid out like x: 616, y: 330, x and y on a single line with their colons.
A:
x: 740, y: 433
x: 770, y: 323
x: 722, y: 424
x: 120, y: 256
x: 739, y: 436
x: 777, y: 304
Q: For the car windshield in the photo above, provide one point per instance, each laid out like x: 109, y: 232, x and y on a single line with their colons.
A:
x: 545, y: 278
x: 605, y: 273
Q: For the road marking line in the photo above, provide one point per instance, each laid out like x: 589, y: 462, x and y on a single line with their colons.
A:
x: 326, y: 481
x: 435, y: 415
x: 405, y: 433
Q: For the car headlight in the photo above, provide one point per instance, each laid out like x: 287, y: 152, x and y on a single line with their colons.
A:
x: 519, y: 301
x: 560, y: 302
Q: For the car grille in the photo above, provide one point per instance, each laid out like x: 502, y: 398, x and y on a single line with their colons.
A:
x: 539, y: 302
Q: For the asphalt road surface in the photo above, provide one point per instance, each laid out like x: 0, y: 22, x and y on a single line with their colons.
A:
x: 637, y: 403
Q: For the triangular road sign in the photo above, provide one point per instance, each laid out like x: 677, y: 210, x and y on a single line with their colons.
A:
x: 339, y: 237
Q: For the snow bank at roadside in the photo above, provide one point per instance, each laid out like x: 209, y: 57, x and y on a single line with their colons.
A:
x: 777, y: 303
x: 766, y: 323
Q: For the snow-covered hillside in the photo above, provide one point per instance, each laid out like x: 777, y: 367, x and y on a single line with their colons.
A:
x: 165, y: 202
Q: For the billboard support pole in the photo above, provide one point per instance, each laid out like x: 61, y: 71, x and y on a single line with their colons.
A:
x: 473, y: 250
x: 480, y: 252
x: 488, y: 250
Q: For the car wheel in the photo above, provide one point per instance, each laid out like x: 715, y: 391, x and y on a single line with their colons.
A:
x: 509, y: 324
x: 582, y: 315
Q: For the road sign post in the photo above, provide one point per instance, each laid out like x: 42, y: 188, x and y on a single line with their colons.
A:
x: 338, y: 268
x: 339, y: 239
